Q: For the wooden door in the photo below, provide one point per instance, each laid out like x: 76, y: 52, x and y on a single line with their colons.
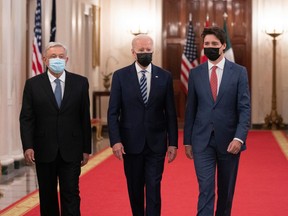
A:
x: 175, y: 22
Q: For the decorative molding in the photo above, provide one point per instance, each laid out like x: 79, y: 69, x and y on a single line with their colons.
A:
x: 95, y: 36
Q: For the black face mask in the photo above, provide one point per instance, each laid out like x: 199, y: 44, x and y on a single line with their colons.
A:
x: 144, y: 59
x: 212, y: 53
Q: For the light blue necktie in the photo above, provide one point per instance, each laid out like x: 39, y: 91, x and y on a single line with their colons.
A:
x: 143, y: 86
x: 58, y: 92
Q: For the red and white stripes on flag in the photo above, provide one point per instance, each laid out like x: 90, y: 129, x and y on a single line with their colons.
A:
x: 189, y: 58
x: 37, y: 63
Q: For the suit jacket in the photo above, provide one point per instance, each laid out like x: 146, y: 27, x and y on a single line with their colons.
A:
x: 46, y: 128
x: 134, y: 124
x: 228, y: 116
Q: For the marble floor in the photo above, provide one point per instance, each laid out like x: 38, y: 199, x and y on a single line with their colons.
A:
x: 23, y: 181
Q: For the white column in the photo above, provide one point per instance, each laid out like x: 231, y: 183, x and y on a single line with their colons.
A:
x: 12, y: 71
x: 17, y: 75
x: 5, y: 81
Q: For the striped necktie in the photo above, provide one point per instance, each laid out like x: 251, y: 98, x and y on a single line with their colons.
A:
x: 58, y: 92
x: 143, y: 87
x: 214, y: 82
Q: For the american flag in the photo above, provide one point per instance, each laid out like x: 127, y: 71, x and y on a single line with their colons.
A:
x: 37, y: 64
x: 189, y: 58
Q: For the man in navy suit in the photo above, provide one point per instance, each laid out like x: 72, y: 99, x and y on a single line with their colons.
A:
x: 56, y: 131
x: 142, y: 125
x: 217, y: 121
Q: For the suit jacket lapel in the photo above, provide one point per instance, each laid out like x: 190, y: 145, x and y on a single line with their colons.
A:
x: 154, y: 78
x: 206, y: 80
x: 132, y: 79
x: 46, y: 85
x: 227, y: 73
x: 67, y: 89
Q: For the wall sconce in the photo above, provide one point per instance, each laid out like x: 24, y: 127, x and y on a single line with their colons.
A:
x: 274, y: 120
x: 139, y: 30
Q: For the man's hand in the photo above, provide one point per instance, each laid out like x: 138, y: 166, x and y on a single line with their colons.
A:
x: 118, y: 150
x: 29, y: 156
x: 85, y: 159
x: 234, y: 147
x: 171, y: 153
x: 189, y: 152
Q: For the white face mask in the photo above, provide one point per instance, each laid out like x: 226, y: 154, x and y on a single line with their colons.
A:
x: 57, y: 65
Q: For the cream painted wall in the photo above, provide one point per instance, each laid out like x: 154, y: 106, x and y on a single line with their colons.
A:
x: 269, y: 14
x: 117, y: 20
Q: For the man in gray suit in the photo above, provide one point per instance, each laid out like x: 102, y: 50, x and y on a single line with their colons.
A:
x: 56, y: 132
x: 217, y: 121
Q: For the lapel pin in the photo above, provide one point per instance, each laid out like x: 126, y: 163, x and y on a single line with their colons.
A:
x: 156, y: 76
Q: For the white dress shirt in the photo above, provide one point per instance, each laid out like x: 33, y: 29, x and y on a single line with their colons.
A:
x: 219, y: 71
x: 148, y: 75
x: 62, y: 79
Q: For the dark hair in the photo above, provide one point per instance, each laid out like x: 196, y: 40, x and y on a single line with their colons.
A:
x: 215, y: 30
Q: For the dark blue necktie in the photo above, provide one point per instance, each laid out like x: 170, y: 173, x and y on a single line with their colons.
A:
x: 143, y: 87
x: 58, y: 92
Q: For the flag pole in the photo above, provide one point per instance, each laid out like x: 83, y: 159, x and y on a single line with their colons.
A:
x: 225, y: 15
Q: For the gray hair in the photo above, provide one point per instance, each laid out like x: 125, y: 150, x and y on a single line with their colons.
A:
x: 141, y: 37
x: 55, y: 44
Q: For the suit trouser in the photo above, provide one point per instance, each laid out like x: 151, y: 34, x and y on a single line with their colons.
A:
x: 144, y: 170
x: 206, y: 163
x: 67, y: 173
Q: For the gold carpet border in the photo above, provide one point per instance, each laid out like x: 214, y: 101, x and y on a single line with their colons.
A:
x: 282, y: 142
x: 32, y: 201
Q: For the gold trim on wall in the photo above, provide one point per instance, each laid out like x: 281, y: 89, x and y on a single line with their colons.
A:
x: 95, y: 36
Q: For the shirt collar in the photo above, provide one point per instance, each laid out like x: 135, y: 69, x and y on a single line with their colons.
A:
x: 52, y: 78
x: 219, y: 65
x: 139, y: 69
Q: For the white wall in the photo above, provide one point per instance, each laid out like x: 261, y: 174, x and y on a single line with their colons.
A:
x: 267, y: 15
x: 12, y: 73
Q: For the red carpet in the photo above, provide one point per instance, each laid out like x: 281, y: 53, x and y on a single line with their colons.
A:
x: 262, y: 186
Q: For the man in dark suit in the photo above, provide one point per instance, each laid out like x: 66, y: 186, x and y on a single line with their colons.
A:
x: 142, y: 122
x: 217, y: 121
x: 56, y: 132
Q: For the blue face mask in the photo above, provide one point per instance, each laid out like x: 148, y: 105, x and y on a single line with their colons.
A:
x: 57, y: 65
